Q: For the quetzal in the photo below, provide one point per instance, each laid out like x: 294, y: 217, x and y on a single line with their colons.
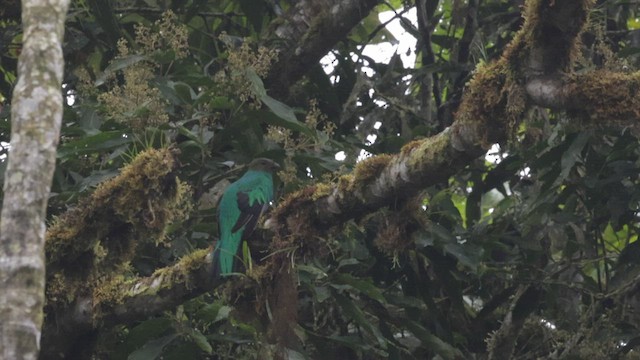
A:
x: 239, y: 210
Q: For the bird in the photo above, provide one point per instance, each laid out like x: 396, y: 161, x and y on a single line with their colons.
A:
x: 239, y: 209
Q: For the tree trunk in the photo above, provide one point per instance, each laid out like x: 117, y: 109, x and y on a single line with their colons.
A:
x: 36, y: 115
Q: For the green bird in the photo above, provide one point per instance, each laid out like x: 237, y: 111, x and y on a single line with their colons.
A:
x: 239, y: 210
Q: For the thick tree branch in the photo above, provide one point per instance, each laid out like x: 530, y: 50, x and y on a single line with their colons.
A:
x: 307, y: 32
x: 35, y: 117
x: 492, y: 105
x: 89, y: 246
x: 594, y: 97
x: 125, y: 301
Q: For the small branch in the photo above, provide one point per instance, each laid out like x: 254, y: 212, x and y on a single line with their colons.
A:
x: 502, y: 343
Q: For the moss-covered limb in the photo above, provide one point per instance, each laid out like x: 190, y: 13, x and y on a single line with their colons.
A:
x: 600, y: 97
x: 121, y: 300
x: 98, y: 237
x: 492, y: 106
x: 548, y: 42
x: 127, y: 301
x: 308, y: 31
x: 592, y: 98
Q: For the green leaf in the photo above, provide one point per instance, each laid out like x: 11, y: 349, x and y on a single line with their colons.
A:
x: 201, y: 341
x: 316, y: 272
x: 571, y: 156
x: 433, y: 342
x: 365, y: 286
x: 255, y: 13
x: 105, y: 15
x: 466, y: 254
x: 367, y: 26
x: 221, y: 103
x: 281, y: 110
x: 322, y: 293
x: 350, y: 309
x: 96, y: 178
x: 212, y: 313
x: 102, y: 141
x: 153, y: 349
x: 257, y: 86
x: 294, y: 355
x: 118, y: 64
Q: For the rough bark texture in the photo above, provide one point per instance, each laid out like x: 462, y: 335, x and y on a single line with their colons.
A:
x: 308, y: 31
x: 35, y: 117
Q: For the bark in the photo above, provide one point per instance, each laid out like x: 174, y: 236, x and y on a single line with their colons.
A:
x: 503, y: 342
x: 307, y: 32
x: 35, y: 117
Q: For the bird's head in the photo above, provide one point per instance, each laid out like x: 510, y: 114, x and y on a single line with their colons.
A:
x: 264, y: 164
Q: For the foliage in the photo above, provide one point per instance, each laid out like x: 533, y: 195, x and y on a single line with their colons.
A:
x: 431, y: 277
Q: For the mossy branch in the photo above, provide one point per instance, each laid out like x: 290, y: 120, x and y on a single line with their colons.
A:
x: 122, y: 300
x: 89, y: 247
x: 493, y: 105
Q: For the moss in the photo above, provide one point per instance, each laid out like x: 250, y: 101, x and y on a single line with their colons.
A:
x: 621, y: 104
x: 100, y: 234
x: 391, y: 237
x: 408, y: 147
x: 345, y: 183
x: 109, y: 291
x: 484, y: 104
x: 316, y: 28
x: 370, y: 168
x: 495, y: 101
x: 187, y: 265
x: 322, y: 190
x: 292, y: 200
x: 427, y: 151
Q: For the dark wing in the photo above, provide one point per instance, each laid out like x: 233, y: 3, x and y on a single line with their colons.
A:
x: 249, y: 214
